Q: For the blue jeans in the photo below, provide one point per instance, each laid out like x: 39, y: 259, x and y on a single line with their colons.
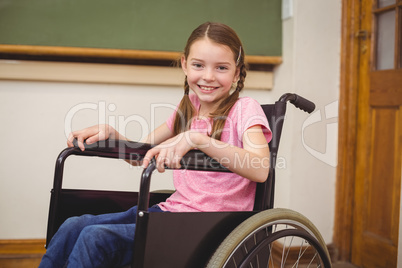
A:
x: 105, y: 240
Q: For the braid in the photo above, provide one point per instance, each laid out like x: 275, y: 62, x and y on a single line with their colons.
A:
x: 220, y: 115
x: 242, y: 77
x: 186, y: 87
x: 185, y: 112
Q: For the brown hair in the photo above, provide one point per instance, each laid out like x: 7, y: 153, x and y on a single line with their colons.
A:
x: 220, y: 34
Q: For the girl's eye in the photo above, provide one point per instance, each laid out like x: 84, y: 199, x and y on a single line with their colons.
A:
x: 222, y: 68
x: 197, y: 65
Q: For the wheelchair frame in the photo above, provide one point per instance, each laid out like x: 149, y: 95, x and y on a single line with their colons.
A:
x: 187, y: 239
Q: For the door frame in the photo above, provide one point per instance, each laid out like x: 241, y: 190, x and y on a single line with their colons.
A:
x: 347, y: 131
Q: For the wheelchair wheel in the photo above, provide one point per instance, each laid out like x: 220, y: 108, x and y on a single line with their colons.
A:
x: 273, y: 238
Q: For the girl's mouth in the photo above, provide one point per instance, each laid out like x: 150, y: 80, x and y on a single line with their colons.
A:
x: 207, y: 88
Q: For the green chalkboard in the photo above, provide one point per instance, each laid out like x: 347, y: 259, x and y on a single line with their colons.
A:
x: 161, y: 25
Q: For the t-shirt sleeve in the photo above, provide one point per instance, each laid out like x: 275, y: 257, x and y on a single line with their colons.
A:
x: 251, y: 114
x: 170, y: 120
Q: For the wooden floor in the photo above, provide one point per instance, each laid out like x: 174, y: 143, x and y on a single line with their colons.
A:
x: 28, y: 253
x: 343, y: 265
x: 335, y: 265
x: 21, y: 253
x: 33, y: 261
x: 20, y: 261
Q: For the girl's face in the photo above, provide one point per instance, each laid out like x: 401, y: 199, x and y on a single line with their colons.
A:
x: 210, y: 69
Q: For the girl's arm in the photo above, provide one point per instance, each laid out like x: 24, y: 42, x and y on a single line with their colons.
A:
x: 103, y: 132
x: 159, y: 135
x: 251, y: 161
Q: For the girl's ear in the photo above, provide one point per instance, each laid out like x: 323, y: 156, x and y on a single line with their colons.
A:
x: 184, y: 64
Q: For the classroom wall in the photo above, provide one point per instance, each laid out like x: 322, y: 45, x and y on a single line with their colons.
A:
x: 311, y: 68
x: 36, y: 114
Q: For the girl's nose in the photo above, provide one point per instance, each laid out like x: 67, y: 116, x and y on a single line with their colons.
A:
x: 208, y: 75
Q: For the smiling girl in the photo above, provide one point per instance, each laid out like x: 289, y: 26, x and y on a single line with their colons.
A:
x: 215, y: 120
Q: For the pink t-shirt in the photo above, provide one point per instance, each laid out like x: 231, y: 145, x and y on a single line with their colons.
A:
x: 218, y: 191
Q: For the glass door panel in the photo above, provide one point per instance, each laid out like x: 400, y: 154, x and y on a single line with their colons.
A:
x: 385, y: 40
x: 384, y: 3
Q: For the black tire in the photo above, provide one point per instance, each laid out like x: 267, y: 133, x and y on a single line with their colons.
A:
x: 268, y: 239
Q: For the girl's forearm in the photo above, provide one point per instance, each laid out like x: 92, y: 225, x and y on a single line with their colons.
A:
x: 114, y: 134
x: 251, y: 165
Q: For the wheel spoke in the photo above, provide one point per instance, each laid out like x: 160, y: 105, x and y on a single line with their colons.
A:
x: 293, y: 242
x: 298, y: 259
x: 258, y: 262
x: 289, y: 247
x: 234, y: 262
x: 312, y: 259
x: 283, y: 253
x: 302, y: 253
x: 270, y: 256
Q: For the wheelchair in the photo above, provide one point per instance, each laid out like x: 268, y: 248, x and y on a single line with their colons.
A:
x: 264, y: 237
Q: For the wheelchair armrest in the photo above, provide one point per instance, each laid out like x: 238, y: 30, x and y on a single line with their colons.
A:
x: 135, y: 151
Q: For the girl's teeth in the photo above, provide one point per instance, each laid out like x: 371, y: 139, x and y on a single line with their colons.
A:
x: 206, y: 88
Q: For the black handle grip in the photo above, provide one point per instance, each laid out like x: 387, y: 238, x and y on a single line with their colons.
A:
x: 302, y: 103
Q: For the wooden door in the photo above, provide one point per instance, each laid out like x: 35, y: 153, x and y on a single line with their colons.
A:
x: 379, y: 135
x: 370, y: 133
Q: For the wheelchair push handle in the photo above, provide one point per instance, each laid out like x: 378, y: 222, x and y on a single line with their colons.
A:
x: 299, y: 102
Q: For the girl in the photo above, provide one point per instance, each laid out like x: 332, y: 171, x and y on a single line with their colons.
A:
x: 214, y: 120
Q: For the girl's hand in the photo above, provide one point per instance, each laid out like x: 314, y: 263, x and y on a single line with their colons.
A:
x: 91, y: 135
x: 170, y: 152
x: 251, y: 161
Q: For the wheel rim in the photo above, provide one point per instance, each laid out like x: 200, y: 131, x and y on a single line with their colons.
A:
x: 244, y: 238
x: 316, y: 258
x: 246, y: 254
